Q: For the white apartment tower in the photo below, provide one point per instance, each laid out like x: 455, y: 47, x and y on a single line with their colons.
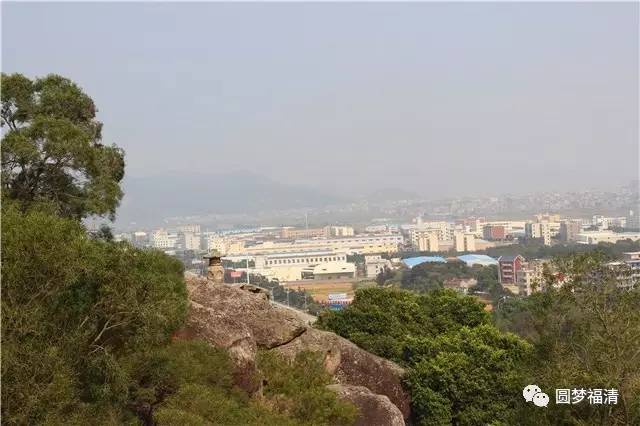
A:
x: 464, y: 241
x: 539, y: 230
x: 428, y: 241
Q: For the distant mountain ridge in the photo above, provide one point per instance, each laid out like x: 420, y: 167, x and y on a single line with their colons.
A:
x: 153, y: 198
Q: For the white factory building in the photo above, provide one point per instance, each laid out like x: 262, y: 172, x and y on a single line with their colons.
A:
x: 361, y: 244
x: 595, y: 237
x: 295, y: 266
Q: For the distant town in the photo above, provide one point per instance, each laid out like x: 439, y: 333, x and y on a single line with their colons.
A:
x: 331, y: 261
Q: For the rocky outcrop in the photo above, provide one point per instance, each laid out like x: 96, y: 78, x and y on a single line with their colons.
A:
x: 227, y: 310
x: 242, y: 321
x: 351, y: 365
x: 374, y: 410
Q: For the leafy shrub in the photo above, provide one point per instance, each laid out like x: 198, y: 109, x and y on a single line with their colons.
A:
x: 71, y: 307
x: 298, y: 388
x: 461, y: 369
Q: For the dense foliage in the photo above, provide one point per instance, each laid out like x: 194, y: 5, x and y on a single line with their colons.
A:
x: 464, y: 370
x: 585, y: 334
x: 71, y: 307
x: 298, y: 388
x: 51, y: 148
x: 86, y: 339
x: 432, y: 276
x: 461, y: 369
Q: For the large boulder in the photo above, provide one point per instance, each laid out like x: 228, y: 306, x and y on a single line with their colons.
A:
x: 225, y: 312
x: 351, y: 365
x: 374, y: 410
x: 241, y: 321
x: 225, y: 332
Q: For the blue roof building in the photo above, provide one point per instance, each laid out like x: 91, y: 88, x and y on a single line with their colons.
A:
x: 410, y: 262
x: 478, y: 259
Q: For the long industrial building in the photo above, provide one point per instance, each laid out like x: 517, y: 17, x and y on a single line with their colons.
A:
x: 362, y: 244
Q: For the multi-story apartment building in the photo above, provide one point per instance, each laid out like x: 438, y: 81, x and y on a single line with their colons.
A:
x: 427, y: 240
x: 508, y: 267
x: 374, y: 264
x: 161, y: 239
x: 494, y: 232
x: 464, y: 241
x: 509, y: 225
x: 376, y: 229
x: 441, y: 230
x: 476, y: 226
x: 338, y: 231
x: 530, y: 277
x: 217, y: 243
x: 632, y: 259
x: 194, y: 229
x: 629, y: 276
x: 189, y: 241
x: 539, y: 230
x: 569, y: 230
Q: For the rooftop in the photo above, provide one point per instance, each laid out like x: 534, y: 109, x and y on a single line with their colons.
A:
x: 305, y: 253
x: 410, y: 262
x: 478, y: 259
x: 334, y: 268
x: 508, y: 258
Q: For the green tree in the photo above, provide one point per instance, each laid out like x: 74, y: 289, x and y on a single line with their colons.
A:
x: 190, y: 383
x: 585, y: 335
x: 298, y: 388
x: 72, y: 306
x: 470, y: 376
x: 380, y: 319
x: 461, y: 369
x: 431, y: 276
x: 52, y: 149
x: 384, y: 276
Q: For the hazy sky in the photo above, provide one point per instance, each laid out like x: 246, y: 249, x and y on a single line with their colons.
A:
x: 442, y: 98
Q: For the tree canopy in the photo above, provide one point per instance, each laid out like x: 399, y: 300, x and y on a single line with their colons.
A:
x: 52, y: 150
x: 464, y: 370
x: 461, y: 369
x: 585, y: 334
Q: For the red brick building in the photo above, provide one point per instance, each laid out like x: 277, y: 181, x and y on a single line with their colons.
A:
x: 508, y: 267
x: 494, y: 232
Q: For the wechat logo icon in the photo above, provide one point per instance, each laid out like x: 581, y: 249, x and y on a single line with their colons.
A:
x: 533, y: 393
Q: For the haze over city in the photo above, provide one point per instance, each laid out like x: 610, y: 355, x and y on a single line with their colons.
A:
x: 434, y: 98
x: 350, y: 214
